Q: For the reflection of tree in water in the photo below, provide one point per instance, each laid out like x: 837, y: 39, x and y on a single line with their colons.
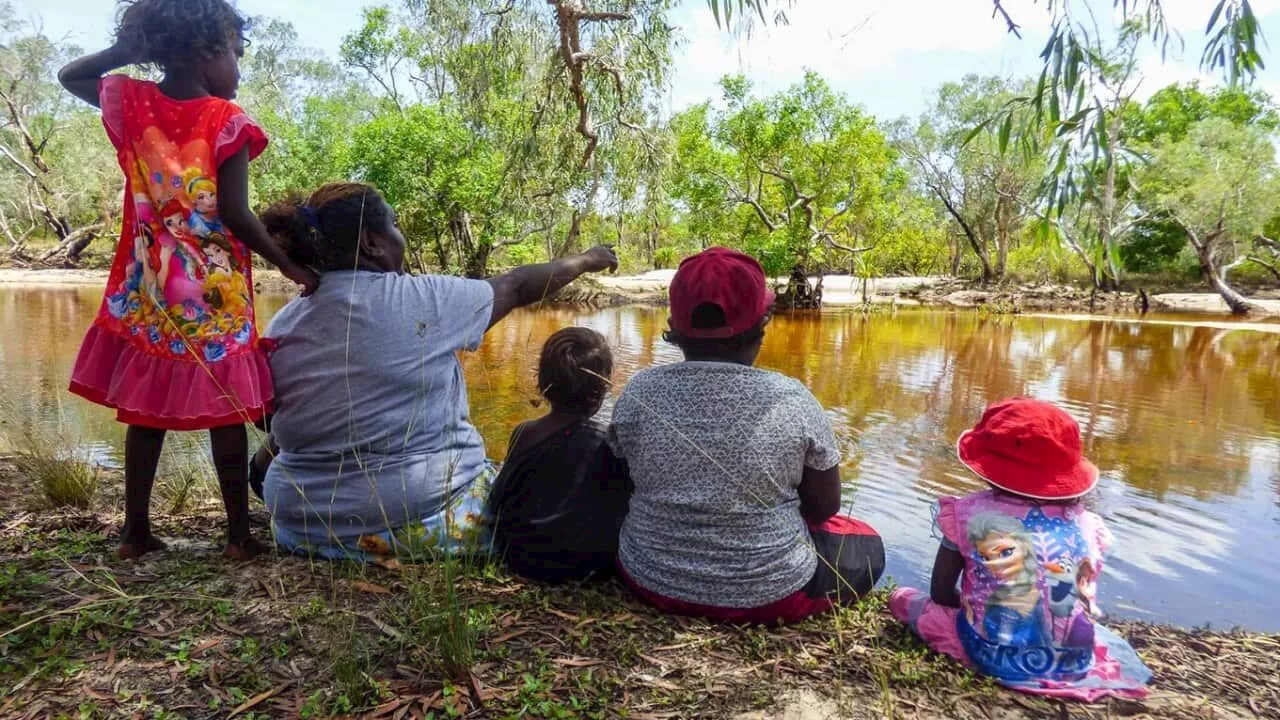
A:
x: 1165, y: 408
x: 42, y: 329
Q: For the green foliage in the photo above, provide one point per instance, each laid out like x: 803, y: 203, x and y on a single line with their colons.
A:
x: 309, y: 108
x: 499, y: 147
x: 799, y: 177
x: 57, y: 170
x: 1171, y: 111
x: 957, y: 158
x: 1221, y: 185
x: 1154, y: 245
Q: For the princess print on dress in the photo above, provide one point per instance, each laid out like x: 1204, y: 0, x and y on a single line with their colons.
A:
x: 203, y: 194
x: 225, y: 289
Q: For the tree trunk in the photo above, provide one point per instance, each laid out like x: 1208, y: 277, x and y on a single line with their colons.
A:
x: 978, y: 244
x: 1002, y: 238
x: 1238, y: 303
x: 75, y: 241
x: 475, y: 255
x: 442, y: 252
x: 572, y: 237
x: 987, y: 273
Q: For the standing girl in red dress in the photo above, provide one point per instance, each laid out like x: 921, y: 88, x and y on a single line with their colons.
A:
x: 163, y: 352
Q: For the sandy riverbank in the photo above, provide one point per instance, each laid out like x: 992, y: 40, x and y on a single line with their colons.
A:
x: 838, y: 291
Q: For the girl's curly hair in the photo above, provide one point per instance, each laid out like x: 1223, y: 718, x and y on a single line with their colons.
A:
x: 171, y: 32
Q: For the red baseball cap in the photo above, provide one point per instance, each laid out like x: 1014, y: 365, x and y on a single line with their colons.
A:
x: 728, y: 279
x: 1029, y: 448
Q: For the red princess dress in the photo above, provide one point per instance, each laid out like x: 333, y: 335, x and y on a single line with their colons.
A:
x: 175, y: 343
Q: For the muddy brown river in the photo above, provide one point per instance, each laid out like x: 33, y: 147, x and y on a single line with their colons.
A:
x: 1183, y: 420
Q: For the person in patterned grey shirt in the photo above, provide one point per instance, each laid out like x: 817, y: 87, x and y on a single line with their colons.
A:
x: 735, y: 469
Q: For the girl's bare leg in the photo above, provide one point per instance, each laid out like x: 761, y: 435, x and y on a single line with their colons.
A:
x: 231, y: 460
x: 142, y: 448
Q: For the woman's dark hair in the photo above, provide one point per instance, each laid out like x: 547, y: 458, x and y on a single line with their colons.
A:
x: 574, y: 370
x: 173, y: 32
x: 711, y: 316
x: 323, y: 231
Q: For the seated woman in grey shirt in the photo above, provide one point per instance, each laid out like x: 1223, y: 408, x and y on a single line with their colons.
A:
x: 376, y: 451
x: 735, y: 470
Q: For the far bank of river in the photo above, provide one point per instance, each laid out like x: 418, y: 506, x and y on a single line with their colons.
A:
x: 839, y: 291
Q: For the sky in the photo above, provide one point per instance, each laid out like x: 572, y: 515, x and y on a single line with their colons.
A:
x: 888, y: 55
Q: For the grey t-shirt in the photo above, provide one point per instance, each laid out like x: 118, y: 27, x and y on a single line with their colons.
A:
x: 371, y: 406
x: 716, y: 452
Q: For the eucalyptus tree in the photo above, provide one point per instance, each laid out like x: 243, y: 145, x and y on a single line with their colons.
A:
x: 57, y: 171
x: 537, y: 100
x: 803, y: 175
x: 1220, y: 184
x: 987, y: 193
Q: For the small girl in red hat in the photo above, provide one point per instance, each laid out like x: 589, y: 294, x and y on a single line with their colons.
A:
x: 1026, y: 555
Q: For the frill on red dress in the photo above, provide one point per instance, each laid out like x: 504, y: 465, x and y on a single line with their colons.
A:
x: 158, y: 392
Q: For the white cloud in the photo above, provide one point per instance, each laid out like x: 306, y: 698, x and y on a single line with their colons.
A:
x: 892, y: 55
x: 833, y: 37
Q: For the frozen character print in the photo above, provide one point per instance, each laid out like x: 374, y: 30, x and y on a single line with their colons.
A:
x: 1013, y: 611
x: 1080, y: 625
x: 1060, y: 576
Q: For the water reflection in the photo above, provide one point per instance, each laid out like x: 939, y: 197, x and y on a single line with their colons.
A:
x: 1182, y: 420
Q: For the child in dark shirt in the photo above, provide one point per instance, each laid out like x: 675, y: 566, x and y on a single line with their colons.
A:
x: 560, y: 499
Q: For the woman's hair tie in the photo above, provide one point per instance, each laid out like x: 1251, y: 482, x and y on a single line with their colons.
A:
x: 310, y: 216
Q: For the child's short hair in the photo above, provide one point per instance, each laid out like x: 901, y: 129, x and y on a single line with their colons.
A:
x: 173, y: 32
x: 574, y: 370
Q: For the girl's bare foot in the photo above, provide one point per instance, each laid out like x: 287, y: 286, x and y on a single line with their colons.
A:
x: 135, y: 547
x: 242, y: 551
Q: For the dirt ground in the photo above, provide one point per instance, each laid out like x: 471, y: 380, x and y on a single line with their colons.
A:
x: 184, y: 633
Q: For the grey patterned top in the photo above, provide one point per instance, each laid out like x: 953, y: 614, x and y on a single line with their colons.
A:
x: 716, y: 452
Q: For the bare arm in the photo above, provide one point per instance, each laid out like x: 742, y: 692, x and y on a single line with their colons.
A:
x: 947, y: 566
x: 819, y: 494
x: 80, y: 77
x: 233, y: 208
x: 532, y: 283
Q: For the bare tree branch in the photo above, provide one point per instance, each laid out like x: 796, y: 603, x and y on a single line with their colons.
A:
x: 569, y: 16
x: 744, y: 199
x: 999, y: 10
x: 70, y: 240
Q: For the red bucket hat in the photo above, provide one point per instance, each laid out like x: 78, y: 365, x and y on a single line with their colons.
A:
x: 728, y: 279
x: 1029, y: 448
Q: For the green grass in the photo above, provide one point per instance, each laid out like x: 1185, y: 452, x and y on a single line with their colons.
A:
x: 63, y: 480
x: 187, y: 481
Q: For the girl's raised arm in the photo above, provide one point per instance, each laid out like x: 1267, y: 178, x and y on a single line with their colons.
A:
x: 80, y: 77
x: 233, y: 208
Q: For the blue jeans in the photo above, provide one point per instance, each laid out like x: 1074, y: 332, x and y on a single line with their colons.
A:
x: 460, y: 528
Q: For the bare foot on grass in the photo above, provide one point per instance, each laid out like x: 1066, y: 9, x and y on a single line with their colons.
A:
x: 244, y: 550
x: 135, y: 547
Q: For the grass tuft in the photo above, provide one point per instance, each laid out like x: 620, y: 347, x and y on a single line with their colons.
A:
x: 186, y: 485
x: 63, y: 480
